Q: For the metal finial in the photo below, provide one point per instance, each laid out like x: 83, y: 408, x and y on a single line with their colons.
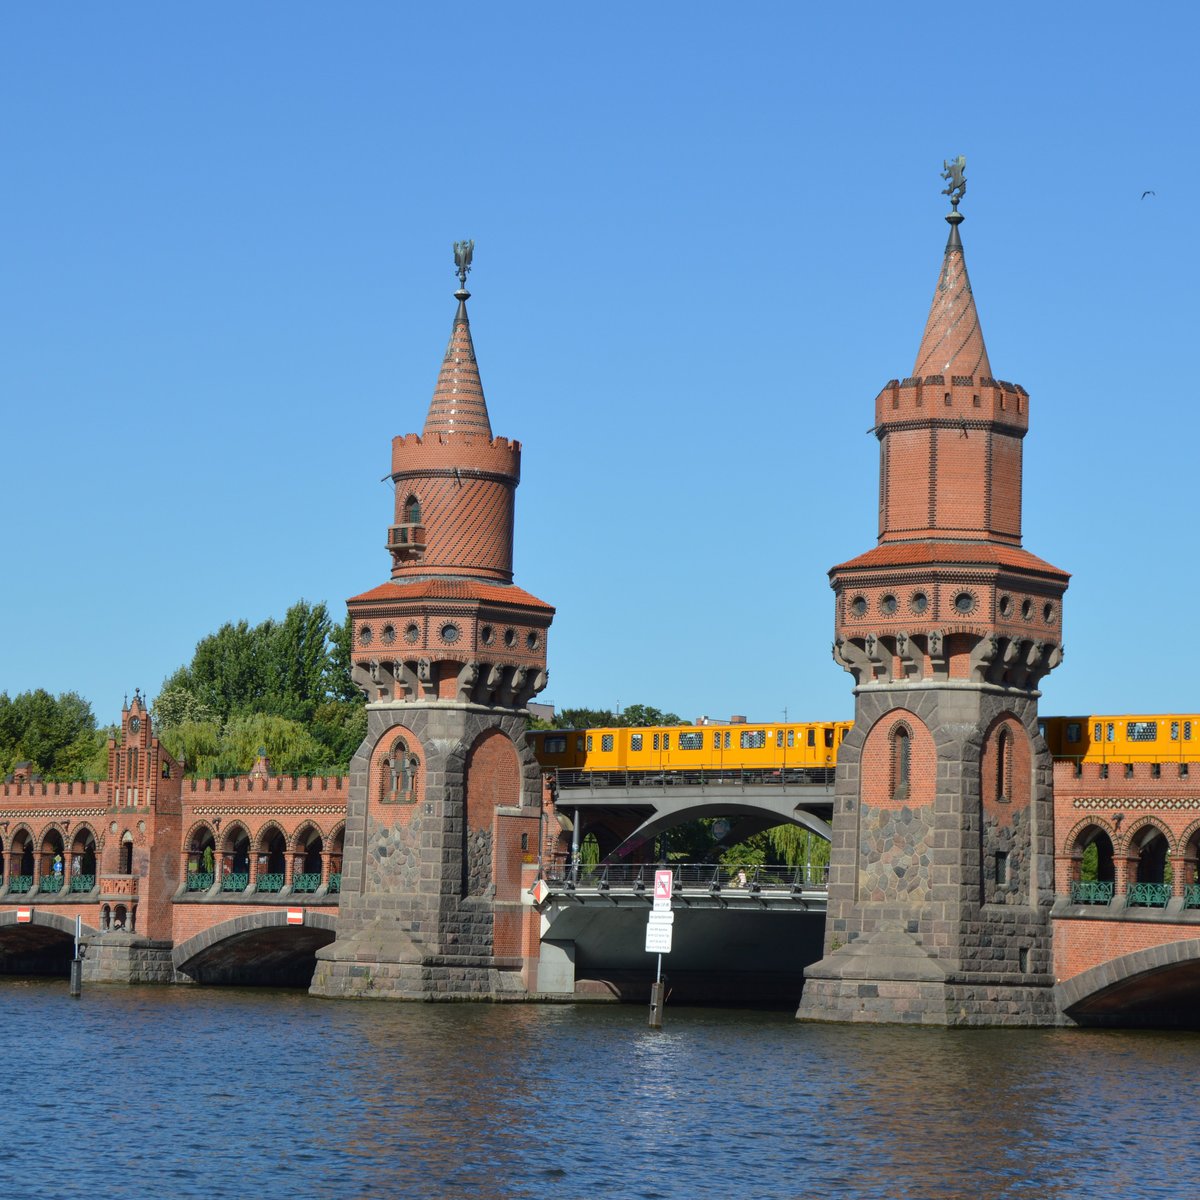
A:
x: 955, y: 174
x: 463, y: 253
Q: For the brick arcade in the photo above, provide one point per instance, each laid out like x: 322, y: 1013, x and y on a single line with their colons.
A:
x: 956, y: 838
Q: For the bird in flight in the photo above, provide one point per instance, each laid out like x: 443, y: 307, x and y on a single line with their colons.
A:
x: 1145, y: 194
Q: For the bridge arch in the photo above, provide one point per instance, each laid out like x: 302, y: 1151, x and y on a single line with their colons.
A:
x: 258, y: 949
x: 43, y: 945
x: 1158, y: 986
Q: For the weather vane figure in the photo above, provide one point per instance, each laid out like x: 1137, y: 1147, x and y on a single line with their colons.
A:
x: 463, y: 251
x: 955, y: 174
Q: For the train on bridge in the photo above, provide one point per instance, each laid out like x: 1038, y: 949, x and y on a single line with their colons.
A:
x: 787, y: 748
x: 813, y: 745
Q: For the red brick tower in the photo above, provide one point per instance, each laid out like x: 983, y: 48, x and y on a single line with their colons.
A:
x: 941, y: 876
x: 448, y: 653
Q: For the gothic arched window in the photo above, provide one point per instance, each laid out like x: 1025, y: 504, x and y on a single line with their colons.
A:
x: 399, y: 774
x: 412, y: 511
x: 901, y: 761
x: 1004, y: 750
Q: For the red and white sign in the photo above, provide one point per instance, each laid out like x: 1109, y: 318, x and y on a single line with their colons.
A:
x: 24, y: 916
x: 295, y: 916
x: 662, y: 889
x: 539, y: 891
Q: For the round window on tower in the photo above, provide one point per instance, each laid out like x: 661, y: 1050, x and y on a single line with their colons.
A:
x: 388, y: 634
x: 858, y: 606
x: 412, y: 632
x: 531, y: 640
x: 364, y: 635
x: 510, y: 637
x: 919, y: 602
x: 1049, y: 614
x: 449, y: 633
x: 1006, y: 606
x: 964, y: 603
x: 487, y: 635
x: 1027, y: 609
x: 887, y: 605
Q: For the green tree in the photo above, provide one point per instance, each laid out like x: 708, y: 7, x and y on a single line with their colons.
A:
x: 645, y: 714
x: 177, y: 704
x: 56, y: 734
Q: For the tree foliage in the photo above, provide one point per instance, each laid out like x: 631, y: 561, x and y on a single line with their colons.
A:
x: 282, y: 685
x: 57, y: 734
x: 634, y: 716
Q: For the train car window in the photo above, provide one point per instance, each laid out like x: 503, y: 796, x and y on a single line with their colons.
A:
x: 779, y: 739
x: 1108, y: 732
x: 656, y: 741
x: 791, y: 738
x: 1142, y: 731
x: 554, y: 745
x: 579, y: 743
x: 666, y: 741
x: 606, y: 741
x: 1096, y: 735
x: 726, y: 740
x: 589, y: 741
x: 812, y: 737
x: 717, y: 740
x: 753, y: 739
x: 1073, y: 731
x: 1174, y: 731
x: 829, y: 739
x: 635, y: 741
x: 691, y: 741
x: 1187, y: 731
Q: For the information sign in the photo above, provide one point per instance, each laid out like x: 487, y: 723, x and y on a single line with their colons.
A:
x: 662, y: 889
x: 658, y: 937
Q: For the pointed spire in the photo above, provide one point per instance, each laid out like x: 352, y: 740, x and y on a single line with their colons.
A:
x: 953, y: 340
x: 458, y: 405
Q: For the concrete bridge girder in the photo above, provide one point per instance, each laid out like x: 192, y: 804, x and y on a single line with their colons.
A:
x: 1156, y: 986
x: 256, y: 948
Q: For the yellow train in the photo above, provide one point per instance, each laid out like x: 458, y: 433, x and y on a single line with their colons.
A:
x: 785, y: 748
x: 797, y: 749
x: 1129, y: 738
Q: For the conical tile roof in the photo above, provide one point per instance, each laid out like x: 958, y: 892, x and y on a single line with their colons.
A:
x: 458, y: 405
x: 953, y: 341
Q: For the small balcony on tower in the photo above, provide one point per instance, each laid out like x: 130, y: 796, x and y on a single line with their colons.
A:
x: 406, y: 542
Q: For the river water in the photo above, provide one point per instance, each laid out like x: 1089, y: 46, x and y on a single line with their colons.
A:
x: 189, y: 1092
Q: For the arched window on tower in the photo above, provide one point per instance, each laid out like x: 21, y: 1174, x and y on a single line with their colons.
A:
x: 1004, y: 755
x: 901, y: 761
x: 412, y: 511
x: 399, y: 774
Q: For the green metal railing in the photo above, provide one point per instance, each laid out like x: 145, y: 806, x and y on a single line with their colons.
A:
x: 20, y: 883
x: 1148, y: 895
x: 1191, y: 896
x: 308, y: 881
x: 82, y: 883
x: 269, y: 883
x: 50, y: 883
x: 199, y: 881
x: 1091, y: 892
x: 335, y: 882
x: 235, y: 881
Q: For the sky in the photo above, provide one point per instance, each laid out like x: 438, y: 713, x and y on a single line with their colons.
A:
x: 706, y: 235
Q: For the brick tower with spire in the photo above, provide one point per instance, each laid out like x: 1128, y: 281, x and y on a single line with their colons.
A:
x: 444, y: 793
x: 941, y: 876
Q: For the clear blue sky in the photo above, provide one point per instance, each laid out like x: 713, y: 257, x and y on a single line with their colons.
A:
x: 706, y: 236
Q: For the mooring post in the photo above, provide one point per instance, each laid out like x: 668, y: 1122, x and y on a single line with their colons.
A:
x: 656, y: 998
x: 77, y: 962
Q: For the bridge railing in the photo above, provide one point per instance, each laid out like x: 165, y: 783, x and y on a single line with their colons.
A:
x: 698, y: 777
x: 708, y: 877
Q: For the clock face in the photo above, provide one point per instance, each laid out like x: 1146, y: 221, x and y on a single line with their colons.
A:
x: 135, y: 723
